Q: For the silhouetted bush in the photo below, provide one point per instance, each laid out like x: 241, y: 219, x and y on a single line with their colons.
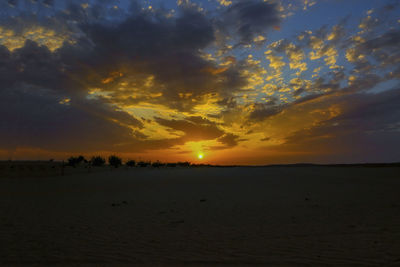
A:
x: 143, y: 164
x: 173, y: 164
x: 114, y: 161
x: 97, y: 161
x: 130, y: 163
x: 183, y: 164
x: 157, y: 164
x: 201, y: 165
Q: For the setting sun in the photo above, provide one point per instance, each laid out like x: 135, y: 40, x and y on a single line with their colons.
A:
x: 200, y: 156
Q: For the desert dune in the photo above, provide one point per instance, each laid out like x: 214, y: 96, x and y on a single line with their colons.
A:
x: 297, y: 216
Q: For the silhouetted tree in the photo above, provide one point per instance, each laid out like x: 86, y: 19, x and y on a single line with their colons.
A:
x: 97, y: 161
x: 81, y: 159
x: 130, y: 163
x: 72, y: 161
x: 114, y: 161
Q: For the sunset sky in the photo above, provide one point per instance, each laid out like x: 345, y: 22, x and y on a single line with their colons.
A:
x: 239, y: 82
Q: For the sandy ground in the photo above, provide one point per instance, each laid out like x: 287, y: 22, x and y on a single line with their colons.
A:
x: 314, y: 216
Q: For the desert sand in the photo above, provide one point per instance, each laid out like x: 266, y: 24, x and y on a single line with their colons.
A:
x: 291, y: 216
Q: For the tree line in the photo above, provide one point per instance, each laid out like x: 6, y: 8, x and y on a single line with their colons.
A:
x: 116, y: 162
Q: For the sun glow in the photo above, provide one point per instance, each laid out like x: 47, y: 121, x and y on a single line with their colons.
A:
x: 200, y: 156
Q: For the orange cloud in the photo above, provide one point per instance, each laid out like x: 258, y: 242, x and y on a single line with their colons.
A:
x: 112, y: 76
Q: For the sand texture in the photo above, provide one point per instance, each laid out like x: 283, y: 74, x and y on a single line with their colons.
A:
x: 297, y: 216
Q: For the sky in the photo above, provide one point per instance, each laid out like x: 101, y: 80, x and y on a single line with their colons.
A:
x: 215, y: 81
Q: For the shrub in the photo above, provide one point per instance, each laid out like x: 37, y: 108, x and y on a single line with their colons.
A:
x: 130, y: 163
x: 97, y: 161
x: 114, y: 161
x: 143, y: 164
x: 157, y: 164
x: 183, y: 164
x: 171, y: 164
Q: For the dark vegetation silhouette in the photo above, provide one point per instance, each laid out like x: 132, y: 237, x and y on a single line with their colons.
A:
x: 114, y: 161
x: 97, y: 161
x: 157, y: 164
x: 74, y: 161
x: 184, y: 164
x: 171, y: 164
x: 130, y: 163
x: 143, y: 164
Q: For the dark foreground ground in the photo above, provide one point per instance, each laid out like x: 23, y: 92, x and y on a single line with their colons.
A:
x: 300, y: 216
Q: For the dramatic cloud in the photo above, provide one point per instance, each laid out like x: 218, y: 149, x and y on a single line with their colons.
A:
x: 194, y: 128
x: 37, y: 119
x: 251, y: 18
x: 200, y: 76
x: 367, y: 127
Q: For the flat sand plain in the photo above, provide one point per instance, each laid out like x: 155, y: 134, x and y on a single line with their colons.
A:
x: 290, y: 216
